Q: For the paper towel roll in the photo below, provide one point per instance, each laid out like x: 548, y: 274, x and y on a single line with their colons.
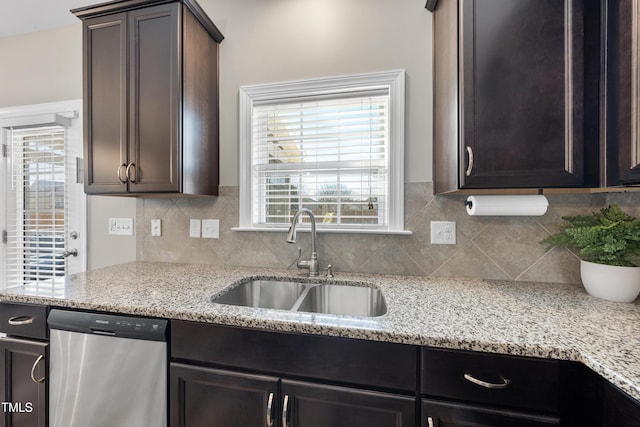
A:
x: 534, y: 205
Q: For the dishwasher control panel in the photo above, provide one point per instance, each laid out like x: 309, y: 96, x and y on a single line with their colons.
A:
x: 108, y: 324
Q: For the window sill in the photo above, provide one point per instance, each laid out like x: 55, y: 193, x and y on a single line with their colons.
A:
x: 328, y: 230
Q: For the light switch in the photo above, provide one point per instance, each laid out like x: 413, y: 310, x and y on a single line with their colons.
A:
x: 121, y: 226
x: 156, y: 228
x: 194, y: 228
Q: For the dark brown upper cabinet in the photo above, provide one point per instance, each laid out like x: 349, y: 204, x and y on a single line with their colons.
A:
x: 623, y: 93
x: 150, y: 98
x: 516, y: 94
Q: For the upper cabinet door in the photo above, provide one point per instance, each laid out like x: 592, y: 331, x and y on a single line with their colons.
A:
x: 516, y: 94
x: 522, y: 105
x: 155, y: 98
x: 105, y: 101
x: 623, y: 92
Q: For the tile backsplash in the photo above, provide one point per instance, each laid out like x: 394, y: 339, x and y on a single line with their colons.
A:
x: 487, y: 247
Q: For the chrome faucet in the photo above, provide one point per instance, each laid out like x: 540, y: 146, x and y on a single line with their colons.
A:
x: 311, y: 264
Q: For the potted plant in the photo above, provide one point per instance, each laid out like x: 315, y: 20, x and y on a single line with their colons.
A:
x: 609, y: 251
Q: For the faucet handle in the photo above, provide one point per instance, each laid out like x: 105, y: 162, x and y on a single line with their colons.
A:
x: 329, y: 271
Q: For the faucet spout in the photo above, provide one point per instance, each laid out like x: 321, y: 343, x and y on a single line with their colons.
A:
x: 311, y: 264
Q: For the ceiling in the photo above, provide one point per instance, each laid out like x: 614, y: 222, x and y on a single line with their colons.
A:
x: 27, y: 16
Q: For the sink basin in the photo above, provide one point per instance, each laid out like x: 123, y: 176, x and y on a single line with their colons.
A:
x: 264, y: 294
x: 344, y: 300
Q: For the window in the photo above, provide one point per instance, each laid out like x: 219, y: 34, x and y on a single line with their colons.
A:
x: 42, y: 200
x: 334, y: 145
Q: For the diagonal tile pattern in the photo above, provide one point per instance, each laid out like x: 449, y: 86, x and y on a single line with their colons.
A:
x: 487, y: 247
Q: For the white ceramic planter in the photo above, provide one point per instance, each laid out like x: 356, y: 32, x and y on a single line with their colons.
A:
x: 610, y: 282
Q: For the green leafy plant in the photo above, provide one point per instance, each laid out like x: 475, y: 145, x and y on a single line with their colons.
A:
x: 609, y: 237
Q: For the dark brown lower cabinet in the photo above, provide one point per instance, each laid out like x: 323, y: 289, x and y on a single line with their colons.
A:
x: 314, y: 405
x: 448, y: 414
x: 23, y: 400
x: 204, y: 396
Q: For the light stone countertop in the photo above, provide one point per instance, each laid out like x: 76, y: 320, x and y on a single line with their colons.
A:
x: 519, y: 318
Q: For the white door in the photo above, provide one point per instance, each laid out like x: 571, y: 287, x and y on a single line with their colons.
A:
x: 43, y: 217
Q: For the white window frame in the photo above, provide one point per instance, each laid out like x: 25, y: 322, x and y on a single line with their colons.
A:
x: 394, y: 81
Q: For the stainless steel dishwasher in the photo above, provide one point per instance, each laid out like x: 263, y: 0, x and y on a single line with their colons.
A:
x: 107, y: 370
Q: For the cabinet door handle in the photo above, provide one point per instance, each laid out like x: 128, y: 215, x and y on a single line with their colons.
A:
x: 124, y: 181
x: 128, y: 174
x: 285, y: 411
x: 504, y: 384
x: 430, y: 422
x: 470, y: 166
x: 20, y: 320
x: 33, y: 370
x: 270, y: 410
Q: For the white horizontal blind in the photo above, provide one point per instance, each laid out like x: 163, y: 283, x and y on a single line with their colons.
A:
x: 36, y: 207
x: 329, y: 154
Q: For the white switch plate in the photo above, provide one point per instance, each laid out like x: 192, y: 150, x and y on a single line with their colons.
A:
x: 210, y: 229
x: 121, y: 226
x: 443, y: 232
x: 194, y: 228
x: 156, y: 228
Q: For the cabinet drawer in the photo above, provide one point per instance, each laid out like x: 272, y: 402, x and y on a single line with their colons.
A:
x: 24, y: 320
x: 450, y: 414
x: 340, y: 360
x: 507, y: 381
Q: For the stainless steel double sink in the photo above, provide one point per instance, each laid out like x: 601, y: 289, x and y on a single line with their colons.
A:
x: 338, y: 299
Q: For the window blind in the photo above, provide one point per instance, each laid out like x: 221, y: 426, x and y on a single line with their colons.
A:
x: 36, y: 207
x: 329, y: 154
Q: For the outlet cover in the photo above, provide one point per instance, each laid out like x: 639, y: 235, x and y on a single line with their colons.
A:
x: 194, y: 228
x: 211, y: 229
x: 121, y: 226
x: 443, y: 232
x: 156, y: 228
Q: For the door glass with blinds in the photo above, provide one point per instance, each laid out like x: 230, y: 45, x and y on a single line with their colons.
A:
x: 329, y: 152
x: 43, y: 207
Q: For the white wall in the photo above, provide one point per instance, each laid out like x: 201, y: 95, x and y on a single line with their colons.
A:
x: 265, y: 41
x: 41, y: 67
x: 279, y: 40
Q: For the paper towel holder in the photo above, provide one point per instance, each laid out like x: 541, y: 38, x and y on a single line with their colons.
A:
x: 468, y: 203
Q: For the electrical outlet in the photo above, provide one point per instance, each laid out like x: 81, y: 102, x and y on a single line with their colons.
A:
x: 194, y: 228
x: 156, y: 228
x: 211, y: 229
x: 443, y: 232
x: 121, y: 226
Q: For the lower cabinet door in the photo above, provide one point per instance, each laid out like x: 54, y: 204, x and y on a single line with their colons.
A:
x: 314, y: 405
x: 211, y: 397
x: 23, y: 385
x: 445, y: 414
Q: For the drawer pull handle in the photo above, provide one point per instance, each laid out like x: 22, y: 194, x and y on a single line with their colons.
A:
x: 504, y: 384
x: 270, y: 411
x: 20, y: 320
x: 33, y: 370
x: 285, y: 411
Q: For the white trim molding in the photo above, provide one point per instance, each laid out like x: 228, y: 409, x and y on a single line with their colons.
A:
x: 391, y: 81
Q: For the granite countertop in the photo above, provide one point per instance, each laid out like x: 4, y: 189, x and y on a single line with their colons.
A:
x: 519, y: 318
